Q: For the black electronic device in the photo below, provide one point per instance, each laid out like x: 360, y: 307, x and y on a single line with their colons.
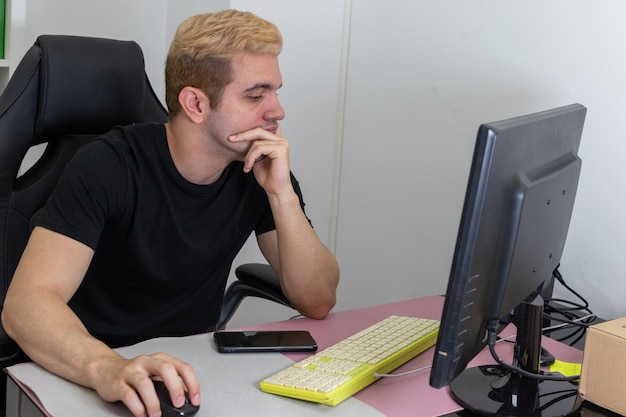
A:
x: 518, y: 204
x: 168, y: 409
x: 264, y: 341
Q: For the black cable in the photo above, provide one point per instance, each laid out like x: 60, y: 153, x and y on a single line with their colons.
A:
x: 565, y: 394
x: 562, y: 302
x: 569, y: 312
x: 572, y: 313
x: 557, y: 275
x: 491, y: 342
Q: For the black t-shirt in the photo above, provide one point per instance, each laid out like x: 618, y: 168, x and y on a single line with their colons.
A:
x: 163, y: 246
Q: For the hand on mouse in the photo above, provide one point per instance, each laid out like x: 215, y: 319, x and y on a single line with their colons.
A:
x: 168, y: 409
x: 131, y: 381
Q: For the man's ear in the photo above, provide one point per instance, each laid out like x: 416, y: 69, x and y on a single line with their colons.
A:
x: 194, y: 103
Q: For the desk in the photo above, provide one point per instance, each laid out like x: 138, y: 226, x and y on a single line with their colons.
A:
x: 230, y: 381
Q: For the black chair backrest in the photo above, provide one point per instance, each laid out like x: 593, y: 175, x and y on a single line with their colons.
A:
x: 66, y: 91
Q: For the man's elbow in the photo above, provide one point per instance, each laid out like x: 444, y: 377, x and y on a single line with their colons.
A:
x: 13, y: 315
x: 5, y: 317
x: 317, y: 309
x: 316, y: 302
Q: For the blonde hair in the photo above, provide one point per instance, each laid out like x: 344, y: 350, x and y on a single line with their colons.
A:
x: 203, y: 47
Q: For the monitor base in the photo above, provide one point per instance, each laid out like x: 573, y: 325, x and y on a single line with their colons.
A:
x: 492, y: 391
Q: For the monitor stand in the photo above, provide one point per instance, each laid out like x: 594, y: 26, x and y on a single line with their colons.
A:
x: 492, y: 390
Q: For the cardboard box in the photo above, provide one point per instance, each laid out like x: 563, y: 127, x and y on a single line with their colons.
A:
x: 603, y: 375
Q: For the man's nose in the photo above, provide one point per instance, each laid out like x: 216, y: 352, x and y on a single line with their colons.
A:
x: 275, y: 110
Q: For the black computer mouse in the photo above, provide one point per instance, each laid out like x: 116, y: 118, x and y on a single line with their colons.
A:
x: 167, y: 409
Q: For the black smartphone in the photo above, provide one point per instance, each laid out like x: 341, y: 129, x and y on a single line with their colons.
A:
x: 264, y: 341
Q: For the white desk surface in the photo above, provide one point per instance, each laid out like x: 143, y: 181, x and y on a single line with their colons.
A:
x: 230, y: 381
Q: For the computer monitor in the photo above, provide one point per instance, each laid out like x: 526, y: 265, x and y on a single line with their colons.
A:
x: 519, y: 200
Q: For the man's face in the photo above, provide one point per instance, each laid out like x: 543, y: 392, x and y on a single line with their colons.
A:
x: 249, y: 101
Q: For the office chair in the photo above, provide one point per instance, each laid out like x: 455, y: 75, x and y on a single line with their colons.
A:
x: 65, y: 92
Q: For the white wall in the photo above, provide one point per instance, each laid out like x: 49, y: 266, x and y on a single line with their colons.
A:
x: 421, y: 77
x: 140, y: 20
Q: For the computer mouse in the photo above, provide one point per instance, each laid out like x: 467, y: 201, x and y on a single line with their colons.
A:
x: 168, y: 409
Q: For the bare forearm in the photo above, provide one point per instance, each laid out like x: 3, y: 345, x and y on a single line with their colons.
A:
x: 51, y: 335
x: 308, y: 270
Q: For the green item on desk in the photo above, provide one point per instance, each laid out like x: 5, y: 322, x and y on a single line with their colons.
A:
x: 566, y: 368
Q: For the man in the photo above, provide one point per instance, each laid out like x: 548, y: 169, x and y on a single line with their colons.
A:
x: 140, y: 234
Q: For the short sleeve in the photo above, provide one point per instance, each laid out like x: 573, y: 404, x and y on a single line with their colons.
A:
x: 91, y: 188
x: 267, y: 222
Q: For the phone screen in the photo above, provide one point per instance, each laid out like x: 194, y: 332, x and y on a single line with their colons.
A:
x: 264, y: 341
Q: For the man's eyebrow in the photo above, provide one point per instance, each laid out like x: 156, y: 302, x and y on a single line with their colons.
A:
x: 264, y: 86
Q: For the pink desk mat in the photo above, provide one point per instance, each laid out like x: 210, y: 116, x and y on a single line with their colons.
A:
x: 410, y: 394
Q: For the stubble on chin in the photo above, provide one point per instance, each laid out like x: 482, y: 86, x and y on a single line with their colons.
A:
x: 239, y: 150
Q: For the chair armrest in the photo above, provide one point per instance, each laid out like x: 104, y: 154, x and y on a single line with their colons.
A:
x: 253, y: 280
x: 10, y: 354
x: 9, y: 351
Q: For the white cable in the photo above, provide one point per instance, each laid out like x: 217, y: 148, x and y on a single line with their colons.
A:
x: 376, y: 374
x: 559, y: 326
